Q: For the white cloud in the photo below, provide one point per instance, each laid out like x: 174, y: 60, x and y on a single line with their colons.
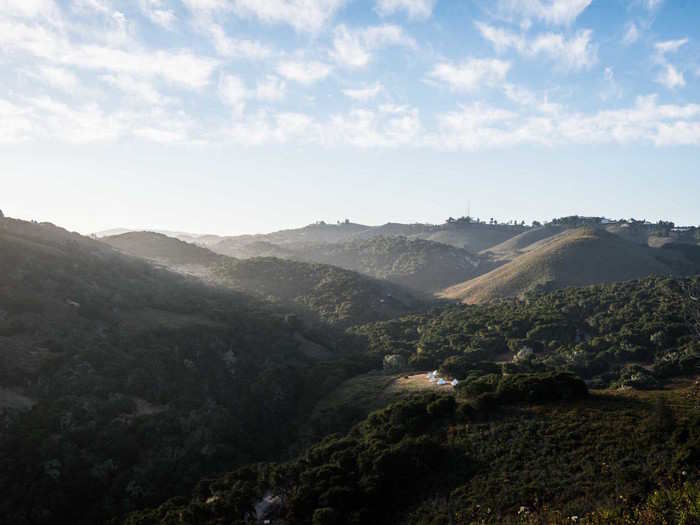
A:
x: 265, y: 128
x: 140, y: 90
x: 15, y: 123
x: 574, y: 53
x: 364, y: 94
x: 235, y: 48
x: 270, y: 89
x: 207, y: 5
x: 366, y: 128
x: 480, y: 126
x: 303, y: 15
x: 303, y: 72
x: 669, y: 46
x: 417, y: 9
x: 612, y: 89
x: 529, y: 100
x: 233, y: 93
x: 471, y: 74
x: 354, y: 48
x: 83, y: 125
x: 651, y: 5
x: 28, y: 8
x: 60, y: 78
x: 554, y: 12
x: 158, y: 13
x: 178, y: 67
x: 631, y: 34
x: 671, y: 77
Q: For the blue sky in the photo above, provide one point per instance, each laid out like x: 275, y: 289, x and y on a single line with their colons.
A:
x: 233, y: 116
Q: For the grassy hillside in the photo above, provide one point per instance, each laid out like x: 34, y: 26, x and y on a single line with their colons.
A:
x: 435, y: 459
x: 472, y: 236
x: 122, y: 384
x: 329, y: 294
x: 523, y: 241
x: 575, y: 257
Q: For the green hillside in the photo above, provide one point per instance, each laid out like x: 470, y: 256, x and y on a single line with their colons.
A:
x: 162, y: 249
x: 575, y: 257
x: 316, y: 291
x: 422, y: 265
x: 124, y: 384
x: 337, y: 296
x: 567, y: 457
x: 628, y: 333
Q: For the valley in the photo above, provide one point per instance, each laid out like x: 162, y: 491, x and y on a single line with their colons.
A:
x: 178, y: 381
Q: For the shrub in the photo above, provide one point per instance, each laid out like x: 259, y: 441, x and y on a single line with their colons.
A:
x: 553, y: 386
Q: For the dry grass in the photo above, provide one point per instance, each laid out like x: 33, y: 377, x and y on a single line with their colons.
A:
x: 577, y: 257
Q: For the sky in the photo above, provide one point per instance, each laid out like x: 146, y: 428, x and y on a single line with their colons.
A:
x: 248, y: 116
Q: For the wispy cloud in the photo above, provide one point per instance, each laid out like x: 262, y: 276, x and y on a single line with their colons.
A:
x: 59, y: 77
x: 669, y: 46
x: 471, y: 74
x: 631, y: 35
x: 181, y: 67
x: 573, y: 53
x: 303, y: 72
x: 416, y: 9
x: 303, y: 15
x: 234, y: 47
x: 354, y: 48
x: 554, y: 12
x: 669, y: 75
x: 157, y: 11
x: 364, y: 93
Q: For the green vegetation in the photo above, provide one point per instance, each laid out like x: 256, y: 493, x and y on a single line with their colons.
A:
x: 161, y: 248
x: 140, y: 381
x: 126, y: 390
x: 416, y: 263
x: 617, y: 334
x: 317, y: 292
x: 434, y: 459
x: 336, y: 296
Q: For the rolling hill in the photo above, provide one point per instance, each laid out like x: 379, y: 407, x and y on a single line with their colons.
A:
x: 515, y: 245
x: 330, y: 294
x: 416, y: 263
x: 575, y: 257
x: 162, y: 249
x: 471, y: 236
x: 123, y: 384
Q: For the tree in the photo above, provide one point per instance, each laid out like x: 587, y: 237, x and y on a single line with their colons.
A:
x: 692, y: 306
x: 2, y: 215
